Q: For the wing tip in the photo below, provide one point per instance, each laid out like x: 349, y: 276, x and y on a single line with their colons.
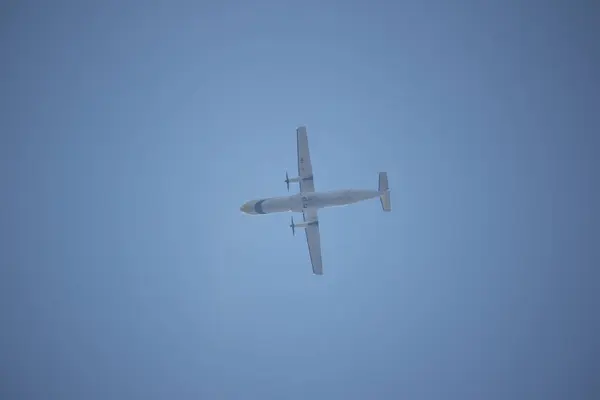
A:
x: 301, y: 130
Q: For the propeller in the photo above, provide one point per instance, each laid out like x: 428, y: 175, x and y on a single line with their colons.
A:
x: 287, y: 181
x: 293, y: 227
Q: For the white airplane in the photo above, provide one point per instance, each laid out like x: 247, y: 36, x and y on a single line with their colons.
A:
x: 308, y: 201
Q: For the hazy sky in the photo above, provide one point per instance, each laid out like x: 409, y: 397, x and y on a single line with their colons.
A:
x: 132, y: 132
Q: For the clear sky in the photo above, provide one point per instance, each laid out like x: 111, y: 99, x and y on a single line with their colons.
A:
x: 132, y: 132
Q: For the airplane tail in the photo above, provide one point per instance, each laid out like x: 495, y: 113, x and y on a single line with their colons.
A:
x: 384, y: 192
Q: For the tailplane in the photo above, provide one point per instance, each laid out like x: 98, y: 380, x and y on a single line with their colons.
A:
x: 384, y: 192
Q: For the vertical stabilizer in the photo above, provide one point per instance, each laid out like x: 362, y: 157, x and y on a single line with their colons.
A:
x: 384, y: 192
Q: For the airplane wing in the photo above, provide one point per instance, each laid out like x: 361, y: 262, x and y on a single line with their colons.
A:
x: 307, y: 184
x: 305, y: 172
x: 313, y: 238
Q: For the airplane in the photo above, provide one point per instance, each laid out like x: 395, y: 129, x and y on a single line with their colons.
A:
x: 308, y: 201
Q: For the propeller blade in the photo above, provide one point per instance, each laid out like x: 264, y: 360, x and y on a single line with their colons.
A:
x: 287, y: 181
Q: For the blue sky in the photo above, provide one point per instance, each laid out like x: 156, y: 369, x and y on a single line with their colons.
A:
x: 131, y: 135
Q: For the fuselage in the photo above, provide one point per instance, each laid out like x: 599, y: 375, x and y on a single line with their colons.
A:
x: 302, y: 201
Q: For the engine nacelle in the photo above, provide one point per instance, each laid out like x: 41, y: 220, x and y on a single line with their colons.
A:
x: 304, y: 225
x: 288, y: 180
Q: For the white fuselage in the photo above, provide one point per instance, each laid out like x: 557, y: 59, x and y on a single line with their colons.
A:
x: 301, y: 201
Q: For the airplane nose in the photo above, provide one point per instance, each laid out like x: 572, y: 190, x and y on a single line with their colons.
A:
x: 246, y: 208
